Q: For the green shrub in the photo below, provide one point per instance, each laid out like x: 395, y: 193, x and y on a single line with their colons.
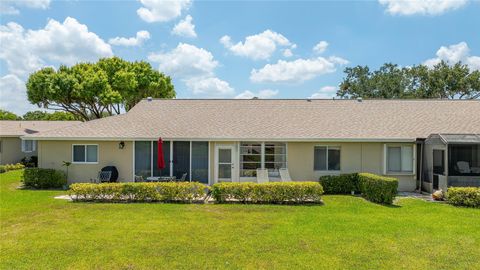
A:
x: 340, y: 184
x: 378, y: 189
x: 44, y: 178
x: 279, y: 192
x: 464, y: 196
x: 139, y: 192
x: 11, y: 167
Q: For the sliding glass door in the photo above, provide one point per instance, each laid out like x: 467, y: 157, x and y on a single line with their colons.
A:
x: 200, y: 162
x: 181, y: 159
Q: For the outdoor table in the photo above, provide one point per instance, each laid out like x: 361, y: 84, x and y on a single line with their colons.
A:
x: 160, y: 179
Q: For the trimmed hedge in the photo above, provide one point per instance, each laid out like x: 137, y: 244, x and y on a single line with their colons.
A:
x: 378, y: 189
x: 185, y: 192
x: 44, y: 178
x: 340, y: 184
x: 273, y: 192
x: 464, y: 196
x: 11, y: 167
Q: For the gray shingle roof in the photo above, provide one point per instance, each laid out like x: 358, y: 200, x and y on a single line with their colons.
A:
x: 281, y: 120
x: 20, y: 128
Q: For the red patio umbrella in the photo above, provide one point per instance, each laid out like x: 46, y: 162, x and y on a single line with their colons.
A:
x: 160, y: 158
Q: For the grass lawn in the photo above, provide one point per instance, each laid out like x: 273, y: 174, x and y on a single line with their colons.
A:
x: 40, y: 232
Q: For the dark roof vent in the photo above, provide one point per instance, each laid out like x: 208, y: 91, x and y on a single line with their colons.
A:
x: 149, y: 99
x: 255, y: 98
x: 359, y: 99
x: 309, y: 100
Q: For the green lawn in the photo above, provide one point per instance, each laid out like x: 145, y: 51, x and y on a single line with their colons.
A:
x: 40, y: 232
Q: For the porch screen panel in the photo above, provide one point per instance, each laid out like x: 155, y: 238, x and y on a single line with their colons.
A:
x: 181, y: 159
x: 464, y: 159
x: 143, y: 158
x: 250, y: 159
x: 275, y: 158
x: 200, y: 162
x: 166, y: 156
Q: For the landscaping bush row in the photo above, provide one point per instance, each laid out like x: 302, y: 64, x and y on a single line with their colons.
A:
x: 378, y: 189
x: 11, y: 167
x: 280, y: 192
x: 464, y: 196
x: 44, y: 178
x: 139, y: 192
x: 340, y: 184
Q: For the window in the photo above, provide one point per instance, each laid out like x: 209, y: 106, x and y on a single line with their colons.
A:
x: 400, y: 159
x: 464, y: 159
x: 326, y: 158
x: 85, y: 153
x: 256, y: 155
x: 28, y: 146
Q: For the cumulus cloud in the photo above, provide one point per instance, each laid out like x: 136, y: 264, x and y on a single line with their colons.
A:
x: 453, y: 54
x: 13, y: 95
x: 421, y: 7
x: 267, y: 93
x: 10, y: 7
x: 260, y: 46
x: 287, y: 53
x: 325, y: 92
x: 210, y: 87
x: 195, y: 67
x: 185, y: 28
x: 298, y: 70
x: 320, y: 47
x: 69, y: 42
x: 138, y: 40
x: 162, y: 10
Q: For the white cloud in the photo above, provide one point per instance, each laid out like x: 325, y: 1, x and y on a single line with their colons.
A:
x: 210, y: 87
x: 10, y: 6
x: 422, y: 7
x: 185, y: 28
x: 287, y: 53
x: 325, y: 93
x: 267, y: 93
x: 453, y: 54
x: 138, y: 40
x: 297, y: 70
x: 195, y: 67
x: 69, y: 42
x: 320, y: 47
x: 186, y: 61
x: 162, y: 10
x: 260, y: 46
x: 13, y: 95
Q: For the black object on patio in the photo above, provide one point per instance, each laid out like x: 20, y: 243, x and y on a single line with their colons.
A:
x: 114, y: 172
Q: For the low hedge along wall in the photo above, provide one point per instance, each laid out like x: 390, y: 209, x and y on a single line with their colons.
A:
x: 340, y: 184
x: 273, y: 192
x: 378, y: 189
x: 464, y: 196
x: 44, y: 178
x: 139, y: 192
x: 11, y: 167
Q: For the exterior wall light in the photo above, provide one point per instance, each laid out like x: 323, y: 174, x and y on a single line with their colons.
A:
x: 121, y: 145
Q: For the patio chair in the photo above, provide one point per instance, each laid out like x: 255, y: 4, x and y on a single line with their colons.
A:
x: 463, y: 167
x: 138, y: 178
x: 262, y: 176
x: 104, y: 176
x: 285, y: 175
x: 183, y: 178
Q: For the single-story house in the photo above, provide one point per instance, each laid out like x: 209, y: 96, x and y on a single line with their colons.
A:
x: 214, y: 140
x: 12, y: 148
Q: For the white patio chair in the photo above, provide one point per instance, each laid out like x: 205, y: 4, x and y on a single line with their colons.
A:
x: 139, y: 178
x: 285, y: 175
x: 262, y: 176
x: 183, y: 178
x: 104, y: 176
x: 463, y: 167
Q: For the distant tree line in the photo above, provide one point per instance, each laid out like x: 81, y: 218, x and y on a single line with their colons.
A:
x: 38, y: 115
x: 443, y: 81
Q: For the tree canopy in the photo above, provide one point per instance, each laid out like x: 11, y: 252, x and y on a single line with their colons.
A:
x: 6, y: 115
x: 391, y: 81
x: 95, y: 90
x: 55, y: 116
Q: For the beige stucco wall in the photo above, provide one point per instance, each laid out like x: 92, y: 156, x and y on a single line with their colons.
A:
x: 51, y: 154
x: 354, y: 157
x: 12, y: 150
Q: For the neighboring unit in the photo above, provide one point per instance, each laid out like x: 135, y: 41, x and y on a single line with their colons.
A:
x: 12, y: 148
x: 228, y: 140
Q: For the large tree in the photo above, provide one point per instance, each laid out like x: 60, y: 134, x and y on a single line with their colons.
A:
x: 390, y: 81
x: 95, y: 90
x: 55, y: 116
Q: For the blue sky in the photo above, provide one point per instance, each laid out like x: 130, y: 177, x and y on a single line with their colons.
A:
x: 228, y: 49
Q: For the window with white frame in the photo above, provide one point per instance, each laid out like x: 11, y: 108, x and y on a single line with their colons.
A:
x: 28, y: 146
x: 85, y: 153
x: 256, y: 155
x: 326, y: 158
x: 399, y: 159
